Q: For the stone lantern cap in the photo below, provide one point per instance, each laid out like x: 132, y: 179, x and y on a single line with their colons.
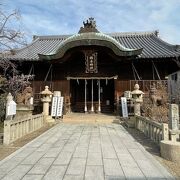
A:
x: 136, y: 90
x: 137, y: 95
x: 46, y: 91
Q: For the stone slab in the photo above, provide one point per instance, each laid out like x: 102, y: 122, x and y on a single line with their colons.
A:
x: 94, y: 172
x: 55, y: 173
x: 94, y: 159
x: 133, y: 173
x: 42, y: 166
x: 127, y: 160
x: 33, y: 158
x: 73, y: 177
x: 150, y: 171
x: 112, y: 168
x: 63, y: 158
x: 33, y: 177
x: 72, y: 151
x: 80, y: 153
x: 76, y: 166
x: 18, y: 172
x: 53, y: 152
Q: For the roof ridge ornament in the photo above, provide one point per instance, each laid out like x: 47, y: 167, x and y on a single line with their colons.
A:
x: 89, y: 26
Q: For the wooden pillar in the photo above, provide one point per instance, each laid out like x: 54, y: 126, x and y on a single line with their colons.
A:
x: 92, y: 94
x: 85, y: 96
x: 99, y: 96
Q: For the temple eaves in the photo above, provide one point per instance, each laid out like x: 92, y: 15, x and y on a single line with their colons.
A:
x: 89, y: 36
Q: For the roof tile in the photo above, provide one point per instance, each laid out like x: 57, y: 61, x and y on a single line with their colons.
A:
x: 153, y: 46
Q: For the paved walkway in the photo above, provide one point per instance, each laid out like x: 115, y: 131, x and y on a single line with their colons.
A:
x: 93, y: 151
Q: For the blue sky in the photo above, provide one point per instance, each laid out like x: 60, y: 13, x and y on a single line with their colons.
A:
x: 53, y: 17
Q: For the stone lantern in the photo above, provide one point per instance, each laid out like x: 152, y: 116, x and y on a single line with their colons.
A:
x: 137, y: 98
x: 46, y: 99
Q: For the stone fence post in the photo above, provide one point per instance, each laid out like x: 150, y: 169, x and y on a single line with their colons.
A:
x: 7, y: 133
x: 165, y: 132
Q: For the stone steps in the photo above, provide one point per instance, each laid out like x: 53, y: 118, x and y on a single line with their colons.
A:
x: 90, y: 118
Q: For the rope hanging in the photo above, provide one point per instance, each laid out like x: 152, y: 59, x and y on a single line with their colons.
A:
x: 48, y: 73
x: 156, y: 70
x: 31, y: 69
x: 100, y: 77
x: 153, y: 72
x: 31, y: 72
x: 135, y: 73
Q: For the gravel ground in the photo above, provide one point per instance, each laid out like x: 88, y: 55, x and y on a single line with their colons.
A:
x: 149, y: 145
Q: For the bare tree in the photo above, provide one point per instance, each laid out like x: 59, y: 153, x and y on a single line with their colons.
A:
x: 10, y: 34
x: 18, y: 83
x: 11, y: 38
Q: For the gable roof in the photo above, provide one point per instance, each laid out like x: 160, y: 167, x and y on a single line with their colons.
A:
x: 89, y: 39
x: 153, y: 46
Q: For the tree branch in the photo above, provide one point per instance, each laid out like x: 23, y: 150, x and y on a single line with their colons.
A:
x: 7, y: 18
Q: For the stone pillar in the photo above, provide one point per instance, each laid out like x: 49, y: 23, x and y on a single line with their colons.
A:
x: 174, y: 117
x: 137, y: 98
x: 171, y: 149
x: 46, y: 99
x: 46, y: 108
x: 137, y: 108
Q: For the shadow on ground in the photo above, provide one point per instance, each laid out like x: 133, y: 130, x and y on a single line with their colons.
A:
x: 153, y: 149
x: 148, y: 144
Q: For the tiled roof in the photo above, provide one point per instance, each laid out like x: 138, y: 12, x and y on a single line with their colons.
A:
x: 153, y: 46
x: 89, y: 39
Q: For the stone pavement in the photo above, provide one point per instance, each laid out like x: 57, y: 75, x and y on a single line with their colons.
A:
x: 90, y: 151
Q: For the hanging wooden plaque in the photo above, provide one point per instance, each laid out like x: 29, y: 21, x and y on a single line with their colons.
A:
x: 91, y: 62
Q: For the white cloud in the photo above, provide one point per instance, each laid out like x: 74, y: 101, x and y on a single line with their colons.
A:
x: 66, y: 16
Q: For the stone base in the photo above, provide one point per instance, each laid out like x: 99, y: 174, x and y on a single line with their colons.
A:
x: 49, y: 119
x: 24, y: 110
x: 130, y: 122
x: 170, y: 150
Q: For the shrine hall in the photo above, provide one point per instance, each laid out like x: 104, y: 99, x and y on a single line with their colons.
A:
x: 93, y: 69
